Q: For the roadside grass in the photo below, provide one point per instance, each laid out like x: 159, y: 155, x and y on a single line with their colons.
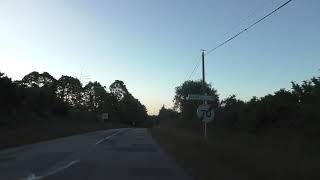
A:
x: 238, y: 155
x: 48, y: 129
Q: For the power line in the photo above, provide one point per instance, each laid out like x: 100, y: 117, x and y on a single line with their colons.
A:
x: 253, y: 13
x: 245, y: 20
x: 249, y: 27
x: 194, y: 69
x: 196, y: 66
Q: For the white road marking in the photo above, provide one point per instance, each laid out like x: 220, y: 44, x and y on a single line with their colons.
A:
x: 108, y: 137
x: 34, y: 177
x: 63, y: 167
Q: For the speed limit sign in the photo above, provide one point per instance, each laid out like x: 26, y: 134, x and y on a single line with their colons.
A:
x: 205, y: 113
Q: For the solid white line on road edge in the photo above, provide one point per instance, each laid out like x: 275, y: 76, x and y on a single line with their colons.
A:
x: 34, y: 177
x: 108, y: 137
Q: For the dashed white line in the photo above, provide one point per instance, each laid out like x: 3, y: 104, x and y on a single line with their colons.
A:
x: 63, y: 167
x: 34, y: 177
x: 108, y: 137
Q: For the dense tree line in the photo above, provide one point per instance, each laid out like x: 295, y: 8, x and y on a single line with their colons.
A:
x: 167, y: 113
x: 41, y: 95
x: 295, y: 108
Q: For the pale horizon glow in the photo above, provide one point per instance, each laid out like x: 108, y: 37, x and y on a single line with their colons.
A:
x: 153, y: 45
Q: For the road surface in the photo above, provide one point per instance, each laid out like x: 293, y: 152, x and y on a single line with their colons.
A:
x: 116, y: 154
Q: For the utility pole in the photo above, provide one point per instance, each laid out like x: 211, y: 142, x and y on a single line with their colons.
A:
x: 204, y: 89
x: 203, y: 75
x: 204, y: 112
x: 203, y: 69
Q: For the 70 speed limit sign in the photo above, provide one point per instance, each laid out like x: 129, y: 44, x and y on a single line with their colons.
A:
x: 205, y: 113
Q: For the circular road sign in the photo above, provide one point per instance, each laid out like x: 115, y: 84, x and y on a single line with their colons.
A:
x: 205, y: 113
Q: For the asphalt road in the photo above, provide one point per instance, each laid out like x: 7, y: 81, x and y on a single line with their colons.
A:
x: 116, y: 154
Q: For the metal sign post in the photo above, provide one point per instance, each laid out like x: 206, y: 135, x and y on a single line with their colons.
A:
x: 206, y: 114
x: 205, y: 129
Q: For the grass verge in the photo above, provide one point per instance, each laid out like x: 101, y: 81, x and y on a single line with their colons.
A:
x: 238, y: 156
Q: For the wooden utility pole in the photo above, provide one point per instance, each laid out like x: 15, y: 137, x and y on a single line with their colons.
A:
x: 203, y: 69
x: 204, y: 89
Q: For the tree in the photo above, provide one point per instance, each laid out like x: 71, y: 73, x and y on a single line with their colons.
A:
x: 229, y: 111
x: 119, y: 89
x: 41, y: 95
x: 111, y: 106
x: 94, y: 95
x: 167, y: 117
x: 37, y: 80
x: 308, y: 99
x: 128, y: 109
x: 188, y: 108
x: 7, y: 97
x: 70, y: 90
x: 132, y: 111
x: 165, y: 113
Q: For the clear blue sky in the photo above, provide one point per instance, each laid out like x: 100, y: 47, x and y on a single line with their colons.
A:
x: 152, y: 45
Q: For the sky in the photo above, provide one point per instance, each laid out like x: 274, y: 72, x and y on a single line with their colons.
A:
x: 153, y: 45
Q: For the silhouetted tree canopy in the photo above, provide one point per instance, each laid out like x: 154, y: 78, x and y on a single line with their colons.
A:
x: 188, y: 107
x: 41, y: 95
x: 94, y: 95
x: 69, y: 90
x: 119, y: 89
x: 132, y: 110
x: 129, y: 109
x: 8, y: 100
x: 165, y: 113
x: 37, y: 80
x: 295, y: 108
